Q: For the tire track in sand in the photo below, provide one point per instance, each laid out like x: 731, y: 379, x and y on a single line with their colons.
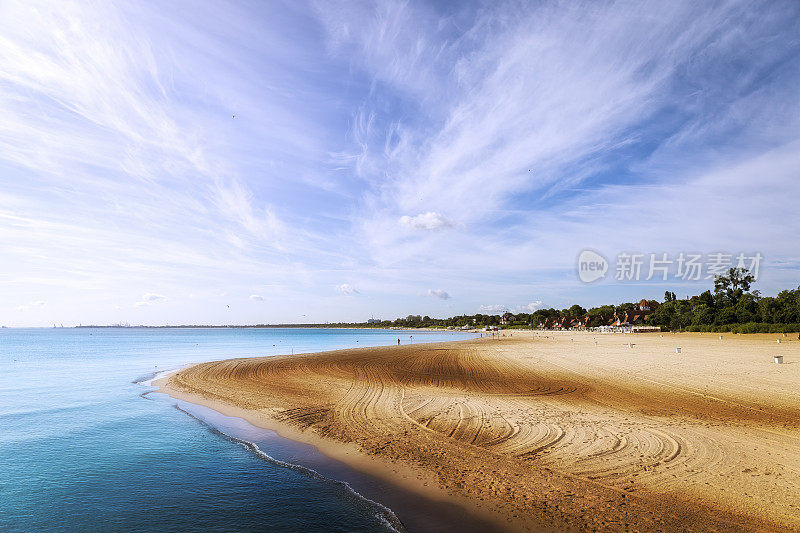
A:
x: 486, y: 398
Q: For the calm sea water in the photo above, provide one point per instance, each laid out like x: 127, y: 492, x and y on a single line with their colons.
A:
x: 82, y: 449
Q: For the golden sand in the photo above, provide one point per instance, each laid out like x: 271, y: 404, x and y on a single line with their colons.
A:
x: 544, y: 431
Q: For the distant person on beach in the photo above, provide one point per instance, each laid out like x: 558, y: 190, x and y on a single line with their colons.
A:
x: 398, y: 342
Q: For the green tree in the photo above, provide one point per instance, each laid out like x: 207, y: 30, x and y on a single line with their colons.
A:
x: 575, y: 311
x: 663, y: 315
x: 734, y: 285
x: 706, y: 298
x: 746, y: 309
x: 702, y: 315
x: 602, y: 310
x: 627, y: 306
x: 726, y: 316
x: 595, y: 321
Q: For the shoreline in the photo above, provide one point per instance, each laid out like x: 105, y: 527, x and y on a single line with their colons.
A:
x: 401, y: 510
x: 559, y: 499
x: 339, y: 465
x: 472, y: 519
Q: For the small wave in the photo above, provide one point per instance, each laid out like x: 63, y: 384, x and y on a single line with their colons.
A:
x: 385, y: 515
x: 148, y: 379
x: 145, y: 379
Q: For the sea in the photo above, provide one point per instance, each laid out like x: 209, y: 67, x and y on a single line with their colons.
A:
x: 85, y: 445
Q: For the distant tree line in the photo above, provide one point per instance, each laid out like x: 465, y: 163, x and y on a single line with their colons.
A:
x: 730, y: 307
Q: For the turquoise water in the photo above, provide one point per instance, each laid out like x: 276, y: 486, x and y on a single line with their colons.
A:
x: 81, y: 448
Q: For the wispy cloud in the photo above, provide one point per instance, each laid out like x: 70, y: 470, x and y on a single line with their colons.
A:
x: 256, y: 297
x: 493, y: 309
x: 151, y: 299
x: 540, y: 140
x: 37, y: 303
x: 496, y: 309
x: 401, y: 144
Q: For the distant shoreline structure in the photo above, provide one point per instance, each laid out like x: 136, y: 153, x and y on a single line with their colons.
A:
x: 730, y: 308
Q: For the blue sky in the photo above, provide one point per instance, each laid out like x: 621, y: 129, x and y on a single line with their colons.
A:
x: 249, y: 162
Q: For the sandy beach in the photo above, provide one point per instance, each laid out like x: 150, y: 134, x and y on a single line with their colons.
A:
x: 547, y: 431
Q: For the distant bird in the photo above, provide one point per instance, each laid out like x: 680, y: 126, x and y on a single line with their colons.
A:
x: 229, y: 307
x: 234, y: 116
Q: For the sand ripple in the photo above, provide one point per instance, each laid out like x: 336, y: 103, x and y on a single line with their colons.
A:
x: 554, y: 433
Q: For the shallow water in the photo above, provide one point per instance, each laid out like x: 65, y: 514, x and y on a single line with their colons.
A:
x: 81, y: 448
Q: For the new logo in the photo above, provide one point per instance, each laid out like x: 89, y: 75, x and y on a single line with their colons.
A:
x: 591, y: 266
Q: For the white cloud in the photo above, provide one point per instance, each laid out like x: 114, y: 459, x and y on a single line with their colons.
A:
x: 438, y: 293
x: 526, y: 308
x: 37, y: 303
x: 430, y: 221
x: 236, y: 203
x: 151, y: 298
x: 256, y: 297
x: 493, y: 309
x: 529, y: 308
x: 347, y: 289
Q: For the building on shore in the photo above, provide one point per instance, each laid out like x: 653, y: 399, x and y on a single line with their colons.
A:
x: 619, y: 320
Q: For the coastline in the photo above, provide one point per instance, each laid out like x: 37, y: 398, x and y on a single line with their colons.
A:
x: 400, y: 477
x: 400, y: 510
x: 517, y: 489
x: 396, y: 480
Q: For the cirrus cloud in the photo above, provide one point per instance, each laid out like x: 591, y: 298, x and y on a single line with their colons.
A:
x: 256, y: 297
x: 501, y: 138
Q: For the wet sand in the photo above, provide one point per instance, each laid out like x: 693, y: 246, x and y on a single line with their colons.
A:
x: 547, y: 431
x: 414, y: 511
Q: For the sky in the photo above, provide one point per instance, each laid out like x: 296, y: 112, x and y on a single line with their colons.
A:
x: 291, y: 162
